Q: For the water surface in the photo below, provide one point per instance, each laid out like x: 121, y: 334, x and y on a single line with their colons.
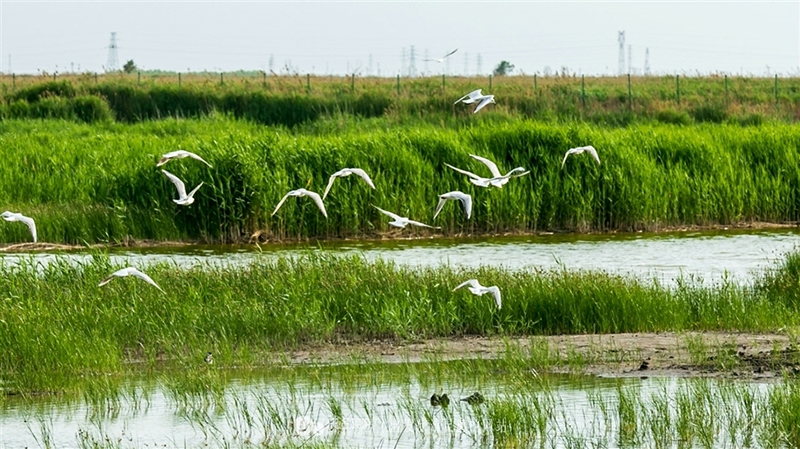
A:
x: 704, y: 257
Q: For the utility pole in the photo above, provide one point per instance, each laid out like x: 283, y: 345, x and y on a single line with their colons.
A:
x: 647, y: 62
x: 621, y: 40
x: 111, y: 65
x: 412, y: 63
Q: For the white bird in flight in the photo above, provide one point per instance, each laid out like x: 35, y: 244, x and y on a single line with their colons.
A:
x: 440, y: 60
x: 476, y: 96
x: 183, y: 198
x: 402, y: 222
x: 179, y: 154
x: 130, y: 271
x: 465, y: 199
x: 477, y: 289
x: 11, y: 216
x: 497, y: 181
x: 303, y: 192
x: 471, y: 97
x: 517, y: 172
x: 347, y: 172
x: 588, y: 148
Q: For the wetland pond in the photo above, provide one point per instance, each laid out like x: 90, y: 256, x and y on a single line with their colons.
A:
x: 359, y: 404
x: 356, y: 406
x: 705, y: 257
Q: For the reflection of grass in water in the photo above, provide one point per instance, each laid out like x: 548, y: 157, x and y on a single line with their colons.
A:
x: 539, y: 412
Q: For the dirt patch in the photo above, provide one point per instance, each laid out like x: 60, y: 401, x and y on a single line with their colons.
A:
x: 756, y: 356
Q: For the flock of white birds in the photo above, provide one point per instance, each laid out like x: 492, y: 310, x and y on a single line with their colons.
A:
x: 497, y: 180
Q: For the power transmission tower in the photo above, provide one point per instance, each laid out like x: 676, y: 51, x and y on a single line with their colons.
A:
x: 621, y: 40
x: 403, y: 62
x: 426, y: 62
x: 412, y: 63
x: 466, y: 64
x: 271, y: 63
x: 112, y: 64
x: 9, y: 65
x: 647, y: 61
x: 478, y: 65
x: 630, y: 59
x: 369, y: 70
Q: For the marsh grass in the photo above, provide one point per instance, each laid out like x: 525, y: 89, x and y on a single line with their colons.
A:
x: 288, y: 100
x: 89, y: 184
x: 58, y: 328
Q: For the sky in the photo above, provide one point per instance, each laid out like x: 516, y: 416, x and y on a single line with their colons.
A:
x: 329, y: 37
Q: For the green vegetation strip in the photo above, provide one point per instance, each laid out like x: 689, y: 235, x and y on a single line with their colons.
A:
x: 56, y: 323
x: 84, y: 183
x: 290, y: 101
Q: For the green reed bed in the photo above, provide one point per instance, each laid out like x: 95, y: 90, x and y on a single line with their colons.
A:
x: 55, y: 323
x: 99, y: 183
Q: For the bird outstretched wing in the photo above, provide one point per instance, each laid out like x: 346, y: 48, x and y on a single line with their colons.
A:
x: 144, y: 277
x: 196, y: 157
x: 315, y: 196
x: 280, y: 203
x: 472, y: 283
x: 495, y: 291
x: 393, y: 216
x: 484, y: 101
x: 492, y: 166
x: 31, y: 225
x: 363, y: 175
x: 178, y: 183
x: 464, y: 172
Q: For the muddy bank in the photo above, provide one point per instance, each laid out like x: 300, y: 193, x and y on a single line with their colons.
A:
x: 717, y: 354
x: 262, y: 238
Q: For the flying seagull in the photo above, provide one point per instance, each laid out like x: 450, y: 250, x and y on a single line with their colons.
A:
x: 497, y: 181
x: 347, y: 172
x: 496, y: 171
x: 486, y: 99
x: 11, y: 216
x: 580, y: 150
x: 130, y: 271
x: 183, y: 198
x: 180, y: 154
x: 476, y: 96
x: 402, y: 222
x: 465, y: 199
x: 303, y: 192
x: 440, y: 60
x: 471, y: 97
x: 477, y: 289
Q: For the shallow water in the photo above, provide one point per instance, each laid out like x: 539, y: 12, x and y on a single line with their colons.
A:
x: 560, y: 411
x: 703, y: 257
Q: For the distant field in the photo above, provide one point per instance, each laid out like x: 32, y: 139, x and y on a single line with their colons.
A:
x: 291, y: 100
x: 98, y: 183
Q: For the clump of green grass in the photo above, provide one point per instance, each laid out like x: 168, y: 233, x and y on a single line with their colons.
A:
x: 56, y: 324
x: 650, y: 177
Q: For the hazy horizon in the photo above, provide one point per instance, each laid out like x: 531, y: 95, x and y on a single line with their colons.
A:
x: 758, y: 38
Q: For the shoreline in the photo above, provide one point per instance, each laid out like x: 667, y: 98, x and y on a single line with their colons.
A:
x: 743, y: 355
x: 391, y: 236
